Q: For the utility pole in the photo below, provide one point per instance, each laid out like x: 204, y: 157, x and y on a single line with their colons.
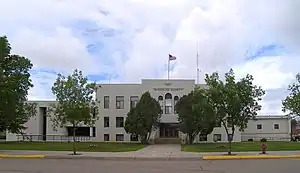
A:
x: 197, y: 65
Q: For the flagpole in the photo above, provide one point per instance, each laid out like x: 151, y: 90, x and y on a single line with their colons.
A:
x: 197, y: 65
x: 168, y: 68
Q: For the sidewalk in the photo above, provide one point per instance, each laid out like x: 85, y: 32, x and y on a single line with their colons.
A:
x: 152, y: 152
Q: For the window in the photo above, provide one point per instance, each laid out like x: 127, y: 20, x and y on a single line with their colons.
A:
x: 3, y: 135
x: 106, y: 121
x: 133, y: 101
x: 119, y: 121
x: 79, y: 131
x: 168, y: 109
x: 134, y: 137
x: 94, y: 132
x: 217, y: 137
x: 161, y: 102
x: 168, y: 103
x: 119, y: 137
x: 120, y: 102
x: 106, y: 102
x: 106, y: 137
x: 202, y: 137
x: 176, y: 99
x: 259, y: 126
x: 276, y: 126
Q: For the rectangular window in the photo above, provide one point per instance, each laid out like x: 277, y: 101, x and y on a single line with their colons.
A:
x: 94, y: 132
x: 259, y: 126
x: 106, y: 121
x: 119, y: 121
x: 175, y: 102
x: 106, y: 137
x: 133, y: 101
x: 276, y: 126
x: 217, y: 137
x: 168, y: 109
x: 106, y: 102
x: 134, y: 137
x: 3, y: 135
x: 161, y: 103
x: 119, y: 102
x: 202, y: 137
x: 119, y: 137
x: 79, y: 131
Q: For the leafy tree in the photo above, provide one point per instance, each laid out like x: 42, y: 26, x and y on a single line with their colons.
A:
x: 14, y: 85
x: 195, y: 114
x: 234, y: 101
x: 292, y: 101
x: 142, y: 119
x: 75, y: 104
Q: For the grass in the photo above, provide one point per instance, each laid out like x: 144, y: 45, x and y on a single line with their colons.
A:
x: 68, y: 146
x: 242, y: 147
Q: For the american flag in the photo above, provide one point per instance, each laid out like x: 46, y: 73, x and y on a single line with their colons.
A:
x: 171, y: 57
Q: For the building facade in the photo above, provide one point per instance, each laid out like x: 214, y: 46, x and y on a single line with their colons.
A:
x: 116, y: 101
x: 273, y: 128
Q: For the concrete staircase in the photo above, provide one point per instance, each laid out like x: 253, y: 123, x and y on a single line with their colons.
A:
x: 167, y: 141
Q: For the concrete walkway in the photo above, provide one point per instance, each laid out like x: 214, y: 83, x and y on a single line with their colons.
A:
x: 159, y: 150
x: 151, y: 152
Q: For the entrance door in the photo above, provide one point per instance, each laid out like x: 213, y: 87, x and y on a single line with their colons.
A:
x: 169, y: 130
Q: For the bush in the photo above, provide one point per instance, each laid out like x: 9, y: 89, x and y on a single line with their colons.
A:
x: 250, y: 140
x: 263, y: 140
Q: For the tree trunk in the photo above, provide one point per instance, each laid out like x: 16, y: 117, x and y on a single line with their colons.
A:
x: 229, y: 147
x: 191, y: 138
x: 144, y: 139
x: 230, y: 141
x: 148, y: 136
x: 74, y: 140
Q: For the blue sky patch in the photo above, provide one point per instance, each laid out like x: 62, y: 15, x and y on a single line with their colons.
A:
x: 105, y: 76
x: 101, y: 42
x: 35, y: 71
x: 267, y: 50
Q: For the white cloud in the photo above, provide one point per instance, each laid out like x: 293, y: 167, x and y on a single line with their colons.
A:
x: 60, y: 50
x: 224, y: 30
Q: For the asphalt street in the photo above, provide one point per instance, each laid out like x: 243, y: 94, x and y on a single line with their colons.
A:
x: 101, y: 166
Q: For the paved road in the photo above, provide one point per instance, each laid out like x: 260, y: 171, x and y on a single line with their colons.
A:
x: 96, y: 166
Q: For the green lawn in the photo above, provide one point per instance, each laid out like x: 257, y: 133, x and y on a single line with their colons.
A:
x: 242, y: 146
x: 68, y: 146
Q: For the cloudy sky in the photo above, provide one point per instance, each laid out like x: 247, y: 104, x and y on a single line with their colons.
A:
x: 123, y: 41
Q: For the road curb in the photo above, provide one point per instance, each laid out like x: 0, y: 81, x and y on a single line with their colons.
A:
x: 250, y: 157
x: 133, y: 158
x: 22, y: 156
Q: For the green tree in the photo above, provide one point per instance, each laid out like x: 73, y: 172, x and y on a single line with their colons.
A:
x: 235, y: 102
x: 291, y: 103
x: 195, y: 114
x: 14, y: 85
x: 75, y: 104
x: 144, y: 118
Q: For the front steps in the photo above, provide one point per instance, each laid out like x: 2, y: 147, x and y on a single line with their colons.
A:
x: 167, y: 141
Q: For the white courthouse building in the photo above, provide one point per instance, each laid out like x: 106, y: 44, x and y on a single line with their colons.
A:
x: 115, y: 102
